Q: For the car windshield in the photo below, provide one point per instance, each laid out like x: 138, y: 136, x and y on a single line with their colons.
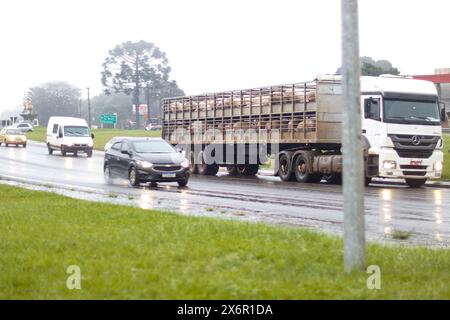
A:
x: 14, y: 132
x: 152, y: 146
x: 76, y: 131
x: 411, y: 112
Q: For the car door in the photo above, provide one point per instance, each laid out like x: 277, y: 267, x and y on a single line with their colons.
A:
x: 112, y: 157
x: 124, y: 159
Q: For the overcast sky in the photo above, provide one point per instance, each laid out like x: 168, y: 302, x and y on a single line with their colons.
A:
x: 211, y: 45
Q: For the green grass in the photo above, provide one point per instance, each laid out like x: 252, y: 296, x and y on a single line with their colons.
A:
x: 446, y: 173
x: 126, y: 253
x: 102, y: 136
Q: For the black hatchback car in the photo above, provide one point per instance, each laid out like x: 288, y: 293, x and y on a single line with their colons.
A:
x: 143, y: 160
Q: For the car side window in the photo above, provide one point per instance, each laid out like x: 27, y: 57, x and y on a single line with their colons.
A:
x: 125, y: 147
x: 55, y: 128
x: 116, y: 146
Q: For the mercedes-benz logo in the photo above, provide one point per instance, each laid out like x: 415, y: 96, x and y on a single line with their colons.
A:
x: 415, y: 140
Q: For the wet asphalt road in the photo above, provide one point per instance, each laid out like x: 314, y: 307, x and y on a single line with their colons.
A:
x: 424, y: 212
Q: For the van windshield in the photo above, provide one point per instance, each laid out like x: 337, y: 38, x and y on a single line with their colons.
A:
x: 76, y: 131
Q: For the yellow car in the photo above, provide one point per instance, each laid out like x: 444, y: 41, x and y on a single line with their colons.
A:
x: 14, y: 137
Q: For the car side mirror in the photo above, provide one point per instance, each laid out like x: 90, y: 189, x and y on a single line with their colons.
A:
x: 125, y: 152
x: 92, y: 136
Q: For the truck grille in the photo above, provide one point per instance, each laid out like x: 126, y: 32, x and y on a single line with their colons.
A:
x: 414, y: 173
x: 414, y: 146
x: 167, y: 167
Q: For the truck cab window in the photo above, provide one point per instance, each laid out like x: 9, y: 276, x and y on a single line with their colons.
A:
x: 55, y: 129
x: 372, y: 109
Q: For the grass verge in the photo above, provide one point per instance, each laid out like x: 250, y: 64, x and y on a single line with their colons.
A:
x: 129, y: 253
x: 102, y: 136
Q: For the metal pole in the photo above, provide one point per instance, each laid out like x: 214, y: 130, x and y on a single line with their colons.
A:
x: 89, y: 107
x: 352, y: 149
x: 148, y: 102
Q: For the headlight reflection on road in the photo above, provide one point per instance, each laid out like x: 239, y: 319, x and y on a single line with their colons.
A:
x: 386, y: 196
x: 183, y: 201
x: 68, y: 163
x: 146, y: 201
x: 437, y: 194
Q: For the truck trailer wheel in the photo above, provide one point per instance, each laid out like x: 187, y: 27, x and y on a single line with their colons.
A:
x: 192, y: 165
x: 415, y: 183
x: 247, y: 170
x: 232, y: 170
x: 284, y: 170
x: 302, y: 173
x: 333, y: 178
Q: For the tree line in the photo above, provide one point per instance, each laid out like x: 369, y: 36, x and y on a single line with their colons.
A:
x: 128, y: 70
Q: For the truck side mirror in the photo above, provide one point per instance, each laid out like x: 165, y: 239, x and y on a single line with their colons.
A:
x: 367, y: 107
x: 92, y: 136
x: 443, y: 112
x: 60, y: 135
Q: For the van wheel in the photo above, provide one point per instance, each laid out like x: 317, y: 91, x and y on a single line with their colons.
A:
x: 415, y: 183
x: 302, y: 173
x: 133, y: 177
x: 89, y: 154
x: 50, y: 150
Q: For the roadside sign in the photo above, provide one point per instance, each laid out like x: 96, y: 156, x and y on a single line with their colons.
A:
x: 108, y: 118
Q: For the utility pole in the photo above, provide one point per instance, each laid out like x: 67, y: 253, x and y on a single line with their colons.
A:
x: 80, y: 103
x: 148, y: 101
x: 352, y: 149
x: 89, y: 107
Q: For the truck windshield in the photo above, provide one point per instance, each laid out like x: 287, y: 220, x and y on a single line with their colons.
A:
x: 411, y: 112
x: 75, y: 131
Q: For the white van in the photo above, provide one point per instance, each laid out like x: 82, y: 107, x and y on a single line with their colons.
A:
x: 69, y: 135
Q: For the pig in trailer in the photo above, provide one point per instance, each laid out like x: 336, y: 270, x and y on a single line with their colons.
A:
x: 300, y: 124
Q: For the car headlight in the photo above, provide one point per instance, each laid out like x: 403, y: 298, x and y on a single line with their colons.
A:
x: 438, y: 166
x: 185, y: 163
x: 389, y: 165
x: 144, y: 164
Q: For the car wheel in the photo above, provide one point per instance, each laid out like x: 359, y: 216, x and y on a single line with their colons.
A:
x: 183, y: 183
x: 133, y: 177
x: 415, y: 183
x: 107, y: 175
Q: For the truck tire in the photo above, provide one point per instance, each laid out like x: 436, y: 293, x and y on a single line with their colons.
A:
x: 333, y: 178
x: 232, y: 170
x: 415, y: 183
x: 302, y: 173
x: 192, y: 165
x: 284, y: 170
x: 208, y: 169
x: 248, y: 169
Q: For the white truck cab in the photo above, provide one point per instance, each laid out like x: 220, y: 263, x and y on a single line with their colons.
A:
x: 402, y: 128
x: 69, y: 135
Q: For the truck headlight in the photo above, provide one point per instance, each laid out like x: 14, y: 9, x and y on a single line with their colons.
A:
x: 185, y: 163
x: 438, y: 166
x: 389, y: 165
x: 144, y: 164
